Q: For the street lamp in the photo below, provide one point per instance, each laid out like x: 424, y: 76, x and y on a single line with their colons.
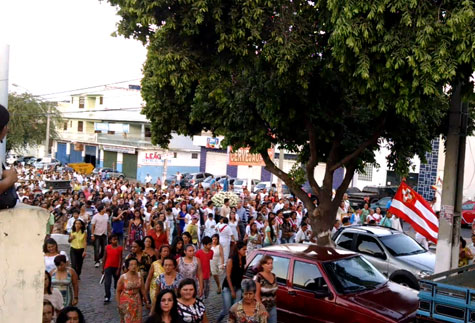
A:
x: 48, y: 117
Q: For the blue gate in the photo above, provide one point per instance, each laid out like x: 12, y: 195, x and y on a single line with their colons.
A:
x: 61, y: 153
x: 75, y: 156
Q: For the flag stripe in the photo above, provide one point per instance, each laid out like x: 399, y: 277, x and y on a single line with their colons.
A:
x: 428, y: 215
x: 413, y: 224
x: 416, y: 218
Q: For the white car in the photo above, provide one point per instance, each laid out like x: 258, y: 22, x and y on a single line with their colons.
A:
x: 46, y: 162
x: 261, y: 186
x: 239, y: 184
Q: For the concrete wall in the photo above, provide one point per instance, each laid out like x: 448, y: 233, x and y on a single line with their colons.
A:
x: 22, y: 230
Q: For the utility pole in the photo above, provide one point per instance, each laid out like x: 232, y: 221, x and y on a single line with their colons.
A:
x: 452, y: 191
x: 4, y: 58
x: 48, y: 119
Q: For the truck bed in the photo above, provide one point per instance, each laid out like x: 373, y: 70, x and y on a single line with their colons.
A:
x: 448, y: 296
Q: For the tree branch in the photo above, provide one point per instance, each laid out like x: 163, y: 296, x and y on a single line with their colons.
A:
x: 350, y: 171
x: 313, y: 161
x: 296, y: 189
x: 374, y: 138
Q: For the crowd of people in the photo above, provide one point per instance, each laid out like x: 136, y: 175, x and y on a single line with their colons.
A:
x: 163, y: 247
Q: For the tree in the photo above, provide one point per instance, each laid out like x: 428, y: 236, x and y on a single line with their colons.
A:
x: 331, y: 80
x: 28, y: 118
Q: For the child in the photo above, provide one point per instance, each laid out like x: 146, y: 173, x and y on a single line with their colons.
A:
x: 205, y: 255
x: 111, y: 265
x: 210, y: 226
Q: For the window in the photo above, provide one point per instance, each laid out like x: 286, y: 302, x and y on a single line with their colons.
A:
x: 252, y: 268
x: 367, y: 174
x: 174, y: 155
x: 81, y: 102
x: 148, y: 132
x: 101, y: 100
x: 307, y: 276
x: 80, y: 126
x: 194, y: 155
x: 281, y: 269
x: 346, y: 240
x: 369, y: 246
x: 65, y: 126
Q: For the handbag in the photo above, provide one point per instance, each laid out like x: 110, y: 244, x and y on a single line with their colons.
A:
x: 8, y: 198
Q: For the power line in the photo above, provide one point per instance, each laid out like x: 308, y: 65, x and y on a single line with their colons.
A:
x: 86, y: 88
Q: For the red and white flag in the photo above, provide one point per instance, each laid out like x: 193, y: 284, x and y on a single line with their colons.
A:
x: 408, y: 205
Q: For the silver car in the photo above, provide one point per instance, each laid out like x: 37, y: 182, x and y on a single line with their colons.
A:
x: 395, y: 254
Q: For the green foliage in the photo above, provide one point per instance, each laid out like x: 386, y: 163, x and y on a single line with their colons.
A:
x: 28, y: 118
x: 331, y: 78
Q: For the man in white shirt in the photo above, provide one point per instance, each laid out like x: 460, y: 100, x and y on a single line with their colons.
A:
x: 225, y: 236
x: 303, y: 234
x: 225, y: 209
x: 100, y: 229
x: 148, y: 179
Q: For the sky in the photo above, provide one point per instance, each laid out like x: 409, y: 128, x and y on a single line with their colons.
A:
x: 61, y: 45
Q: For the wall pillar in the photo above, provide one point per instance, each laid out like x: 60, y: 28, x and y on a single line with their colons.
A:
x: 68, y: 151
x: 22, y: 264
x: 101, y: 158
x: 120, y: 158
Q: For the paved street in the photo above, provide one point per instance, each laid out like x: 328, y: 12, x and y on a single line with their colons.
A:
x: 91, y: 293
x: 91, y: 296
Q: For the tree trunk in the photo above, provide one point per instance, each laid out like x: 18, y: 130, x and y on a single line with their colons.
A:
x: 322, y: 220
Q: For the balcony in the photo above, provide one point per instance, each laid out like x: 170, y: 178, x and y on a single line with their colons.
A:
x: 124, y: 140
x: 78, y: 137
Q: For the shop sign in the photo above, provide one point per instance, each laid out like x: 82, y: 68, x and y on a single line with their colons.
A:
x: 118, y: 149
x: 151, y: 158
x: 244, y: 157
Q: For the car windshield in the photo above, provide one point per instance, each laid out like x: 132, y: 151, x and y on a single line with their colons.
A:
x: 208, y: 179
x: 401, y: 245
x: 238, y: 182
x: 353, y: 274
x: 467, y: 206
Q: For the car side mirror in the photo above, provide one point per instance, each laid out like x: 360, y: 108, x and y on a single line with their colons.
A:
x: 322, y: 293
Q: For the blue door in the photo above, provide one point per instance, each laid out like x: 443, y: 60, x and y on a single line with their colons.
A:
x: 75, y: 156
x: 61, y: 153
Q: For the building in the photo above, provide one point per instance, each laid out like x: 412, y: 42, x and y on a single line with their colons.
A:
x: 107, y: 129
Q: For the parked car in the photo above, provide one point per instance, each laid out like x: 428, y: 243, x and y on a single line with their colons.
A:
x: 29, y: 161
x: 393, y: 253
x: 207, y: 182
x: 194, y: 178
x: 239, y: 184
x: 371, y: 193
x: 261, y: 185
x: 109, y: 172
x: 382, y: 204
x: 468, y: 212
x: 46, y: 162
x: 322, y: 284
x: 230, y: 181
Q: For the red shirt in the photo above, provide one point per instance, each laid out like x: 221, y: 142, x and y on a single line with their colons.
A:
x: 162, y: 239
x: 205, y: 259
x: 114, y: 255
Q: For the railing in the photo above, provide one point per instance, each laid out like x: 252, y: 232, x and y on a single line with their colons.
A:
x: 78, y: 136
x: 124, y: 139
